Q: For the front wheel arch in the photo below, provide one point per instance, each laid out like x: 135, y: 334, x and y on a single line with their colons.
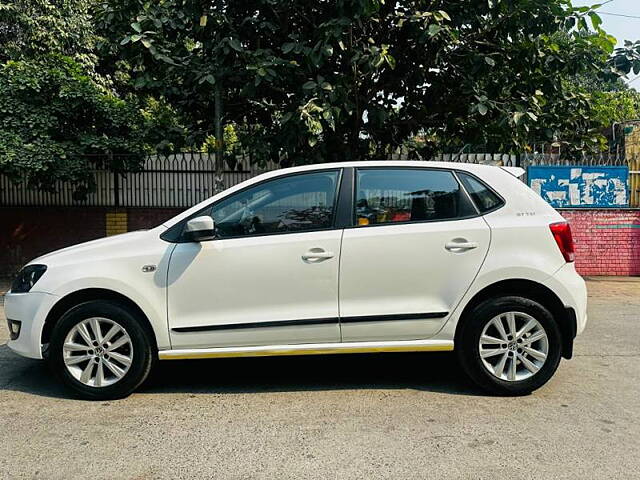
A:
x: 565, y: 317
x: 89, y: 294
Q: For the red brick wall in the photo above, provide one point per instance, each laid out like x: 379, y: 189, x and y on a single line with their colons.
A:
x: 143, y: 218
x: 26, y: 233
x: 607, y: 241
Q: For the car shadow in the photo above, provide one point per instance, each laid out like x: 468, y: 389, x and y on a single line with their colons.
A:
x: 26, y: 375
x: 436, y: 372
x: 430, y: 372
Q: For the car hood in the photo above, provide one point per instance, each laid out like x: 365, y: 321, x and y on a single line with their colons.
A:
x: 99, y: 247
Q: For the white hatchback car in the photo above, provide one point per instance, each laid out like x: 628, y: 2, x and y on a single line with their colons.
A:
x: 332, y: 258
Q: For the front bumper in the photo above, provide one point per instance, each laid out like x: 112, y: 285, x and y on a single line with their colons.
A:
x: 30, y: 309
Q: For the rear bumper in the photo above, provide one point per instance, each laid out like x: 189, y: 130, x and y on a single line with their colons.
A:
x: 572, y: 291
x: 30, y: 309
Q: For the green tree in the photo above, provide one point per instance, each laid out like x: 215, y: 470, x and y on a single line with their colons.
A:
x: 53, y: 117
x: 626, y: 59
x: 61, y: 115
x: 606, y: 97
x: 187, y: 53
x: 31, y: 28
x: 615, y: 106
x: 318, y: 81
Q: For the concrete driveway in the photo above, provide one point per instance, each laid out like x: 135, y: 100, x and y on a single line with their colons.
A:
x: 343, y: 416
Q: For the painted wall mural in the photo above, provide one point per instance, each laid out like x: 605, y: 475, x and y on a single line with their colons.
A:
x: 576, y: 186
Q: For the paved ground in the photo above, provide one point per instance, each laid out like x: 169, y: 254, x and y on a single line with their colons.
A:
x: 377, y: 416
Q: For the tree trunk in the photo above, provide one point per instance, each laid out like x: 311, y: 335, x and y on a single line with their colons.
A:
x: 217, y: 99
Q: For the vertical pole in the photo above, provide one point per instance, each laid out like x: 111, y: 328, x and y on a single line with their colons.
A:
x: 219, y: 184
x: 116, y: 182
x: 116, y: 188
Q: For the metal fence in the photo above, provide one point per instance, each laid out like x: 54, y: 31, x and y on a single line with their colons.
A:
x: 178, y: 180
x: 184, y: 179
x: 537, y: 158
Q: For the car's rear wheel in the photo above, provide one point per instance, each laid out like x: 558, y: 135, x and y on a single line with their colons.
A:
x: 100, y: 350
x: 509, y: 345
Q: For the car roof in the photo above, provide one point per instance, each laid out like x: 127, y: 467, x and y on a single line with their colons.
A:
x: 381, y: 163
x: 469, y: 167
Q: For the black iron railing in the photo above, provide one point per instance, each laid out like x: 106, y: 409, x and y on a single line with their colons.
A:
x: 184, y: 179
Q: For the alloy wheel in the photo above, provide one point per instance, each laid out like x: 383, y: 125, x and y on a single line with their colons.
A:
x: 98, y: 352
x: 513, y: 346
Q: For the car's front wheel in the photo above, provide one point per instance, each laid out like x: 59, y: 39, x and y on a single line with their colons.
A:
x: 509, y: 345
x: 100, y: 350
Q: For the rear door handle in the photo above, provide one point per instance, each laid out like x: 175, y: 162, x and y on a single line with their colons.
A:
x: 317, y: 254
x: 460, y: 246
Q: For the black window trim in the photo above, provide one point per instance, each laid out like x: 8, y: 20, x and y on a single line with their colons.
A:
x: 345, y: 210
x: 466, y: 193
x: 170, y: 235
x: 410, y: 222
x: 488, y: 187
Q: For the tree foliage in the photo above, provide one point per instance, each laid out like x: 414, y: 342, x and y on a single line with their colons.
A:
x: 612, y: 98
x: 60, y: 117
x: 31, y: 28
x: 297, y: 81
x: 626, y: 59
x: 344, y: 80
x: 53, y: 117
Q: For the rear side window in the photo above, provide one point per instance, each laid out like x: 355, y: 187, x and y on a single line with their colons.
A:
x: 408, y: 195
x: 481, y: 195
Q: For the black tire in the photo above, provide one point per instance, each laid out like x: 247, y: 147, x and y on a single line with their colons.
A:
x: 142, y: 356
x: 468, y: 349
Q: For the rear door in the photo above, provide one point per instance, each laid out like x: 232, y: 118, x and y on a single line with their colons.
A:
x: 417, y: 244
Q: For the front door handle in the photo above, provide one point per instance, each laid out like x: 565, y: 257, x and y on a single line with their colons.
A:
x: 317, y: 254
x: 460, y: 245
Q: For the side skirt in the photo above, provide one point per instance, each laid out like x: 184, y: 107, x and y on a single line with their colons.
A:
x: 310, y: 349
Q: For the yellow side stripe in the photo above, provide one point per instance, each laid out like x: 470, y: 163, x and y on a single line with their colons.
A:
x: 305, y: 351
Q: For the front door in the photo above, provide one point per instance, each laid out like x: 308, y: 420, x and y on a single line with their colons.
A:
x: 269, y: 277
x: 416, y: 247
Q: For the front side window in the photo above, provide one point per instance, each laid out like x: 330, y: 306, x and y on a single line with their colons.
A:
x: 295, y: 203
x: 408, y: 195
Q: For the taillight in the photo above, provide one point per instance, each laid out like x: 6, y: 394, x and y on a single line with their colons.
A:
x: 562, y: 233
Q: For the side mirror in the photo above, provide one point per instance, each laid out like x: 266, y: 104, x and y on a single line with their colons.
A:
x: 200, y: 229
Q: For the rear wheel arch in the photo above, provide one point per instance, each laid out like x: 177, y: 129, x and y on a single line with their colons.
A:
x: 565, y: 317
x: 89, y: 294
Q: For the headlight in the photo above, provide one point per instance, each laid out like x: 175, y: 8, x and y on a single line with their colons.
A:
x: 27, y: 278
